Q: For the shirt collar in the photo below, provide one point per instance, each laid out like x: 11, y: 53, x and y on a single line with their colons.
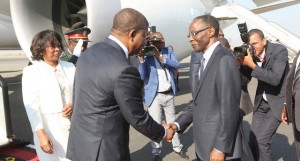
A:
x: 262, y: 56
x: 119, y: 43
x: 297, y: 63
x: 210, y: 51
x: 48, y: 67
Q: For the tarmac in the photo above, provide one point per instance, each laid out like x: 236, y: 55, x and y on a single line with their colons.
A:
x: 11, y: 66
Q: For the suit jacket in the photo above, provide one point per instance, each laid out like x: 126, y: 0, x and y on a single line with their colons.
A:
x: 41, y: 91
x: 148, y: 71
x: 215, y: 110
x: 270, y: 77
x: 246, y: 105
x: 107, y: 100
x: 134, y: 61
x: 290, y: 105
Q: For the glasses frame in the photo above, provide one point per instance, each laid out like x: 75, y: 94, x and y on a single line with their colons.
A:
x: 194, y: 33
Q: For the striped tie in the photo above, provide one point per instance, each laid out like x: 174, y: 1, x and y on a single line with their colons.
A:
x: 201, y: 68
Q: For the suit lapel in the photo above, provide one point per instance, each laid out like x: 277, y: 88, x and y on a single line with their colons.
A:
x: 194, y: 67
x: 208, y: 65
x: 195, y: 77
x: 292, y: 73
x: 268, y: 55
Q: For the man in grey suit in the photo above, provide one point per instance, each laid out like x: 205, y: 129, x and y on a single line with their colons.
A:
x: 108, y: 95
x: 269, y: 66
x: 216, y: 95
x: 291, y: 111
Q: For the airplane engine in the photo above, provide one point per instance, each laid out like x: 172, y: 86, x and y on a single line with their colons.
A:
x: 171, y: 18
x: 31, y: 16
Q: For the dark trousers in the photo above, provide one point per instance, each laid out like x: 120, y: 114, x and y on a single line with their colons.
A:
x: 237, y: 159
x: 263, y: 127
x: 297, y: 140
x: 296, y: 132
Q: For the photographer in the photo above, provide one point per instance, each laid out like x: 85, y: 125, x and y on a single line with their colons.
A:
x: 157, y: 65
x: 268, y: 63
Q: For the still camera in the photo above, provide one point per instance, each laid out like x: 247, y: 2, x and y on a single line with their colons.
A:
x: 242, y: 50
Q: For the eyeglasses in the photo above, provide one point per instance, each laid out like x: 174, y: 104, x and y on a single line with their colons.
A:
x: 194, y: 33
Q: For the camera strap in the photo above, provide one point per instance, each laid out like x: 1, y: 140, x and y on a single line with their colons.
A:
x: 163, y: 67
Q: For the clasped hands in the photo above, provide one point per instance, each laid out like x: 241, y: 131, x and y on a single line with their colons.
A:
x: 170, y: 129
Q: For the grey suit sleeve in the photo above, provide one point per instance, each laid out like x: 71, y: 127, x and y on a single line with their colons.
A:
x: 245, y: 75
x: 273, y: 76
x: 228, y: 88
x: 127, y: 92
x: 186, y: 117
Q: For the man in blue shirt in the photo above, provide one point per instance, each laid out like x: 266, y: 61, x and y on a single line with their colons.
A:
x: 157, y: 72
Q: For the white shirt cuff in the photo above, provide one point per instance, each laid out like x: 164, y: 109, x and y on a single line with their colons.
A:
x: 178, y: 127
x: 218, y: 151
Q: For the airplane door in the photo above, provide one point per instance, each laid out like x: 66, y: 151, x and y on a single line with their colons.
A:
x: 5, y: 119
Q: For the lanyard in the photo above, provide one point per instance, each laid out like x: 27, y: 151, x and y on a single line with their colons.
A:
x: 163, y: 67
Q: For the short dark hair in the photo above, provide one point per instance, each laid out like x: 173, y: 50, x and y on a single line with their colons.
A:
x: 224, y: 42
x: 211, y: 21
x: 130, y: 19
x: 41, y: 40
x: 256, y: 31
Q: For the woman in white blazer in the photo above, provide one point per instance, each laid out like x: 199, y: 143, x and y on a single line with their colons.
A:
x: 47, y: 88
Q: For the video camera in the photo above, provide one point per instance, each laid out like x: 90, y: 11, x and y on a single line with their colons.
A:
x: 149, y: 48
x: 242, y: 50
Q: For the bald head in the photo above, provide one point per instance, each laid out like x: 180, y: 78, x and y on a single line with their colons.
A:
x: 129, y: 19
x: 131, y: 28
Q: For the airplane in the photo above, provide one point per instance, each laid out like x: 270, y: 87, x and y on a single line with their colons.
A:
x: 21, y: 20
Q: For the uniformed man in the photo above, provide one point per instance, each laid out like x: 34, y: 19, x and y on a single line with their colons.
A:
x: 77, y: 43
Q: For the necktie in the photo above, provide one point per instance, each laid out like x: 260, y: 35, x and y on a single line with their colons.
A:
x: 296, y: 78
x: 201, y: 67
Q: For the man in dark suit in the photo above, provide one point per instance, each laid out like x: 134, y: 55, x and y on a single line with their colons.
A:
x: 291, y: 111
x: 108, y: 95
x: 269, y: 66
x: 216, y: 95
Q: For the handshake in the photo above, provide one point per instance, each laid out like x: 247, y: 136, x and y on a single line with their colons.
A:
x: 170, y: 131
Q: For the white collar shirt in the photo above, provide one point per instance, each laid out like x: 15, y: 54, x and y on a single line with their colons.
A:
x: 164, y: 83
x: 208, y: 53
x: 119, y: 43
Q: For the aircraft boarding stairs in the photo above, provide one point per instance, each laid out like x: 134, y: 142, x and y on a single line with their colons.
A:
x: 272, y: 31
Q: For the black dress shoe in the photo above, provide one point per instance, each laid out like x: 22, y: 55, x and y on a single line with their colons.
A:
x: 182, y: 155
x: 157, y: 158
